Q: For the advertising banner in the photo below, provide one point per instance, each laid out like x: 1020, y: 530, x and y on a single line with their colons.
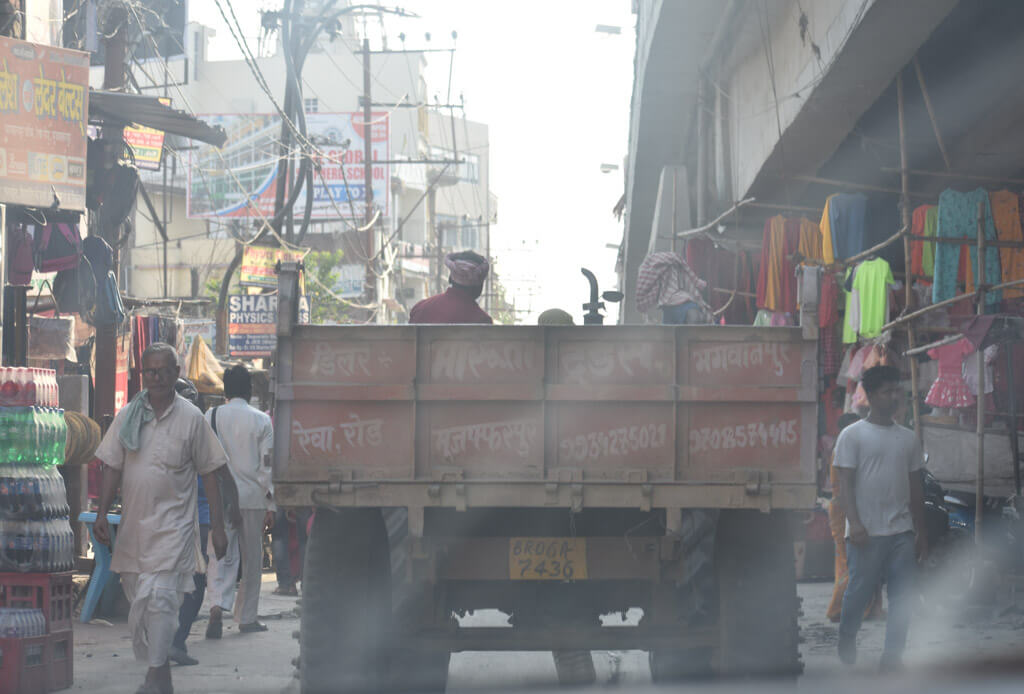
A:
x: 239, y: 180
x: 258, y: 263
x: 147, y: 143
x: 44, y: 107
x: 252, y: 320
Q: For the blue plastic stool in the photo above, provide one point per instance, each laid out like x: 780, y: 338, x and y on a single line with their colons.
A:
x: 101, y: 573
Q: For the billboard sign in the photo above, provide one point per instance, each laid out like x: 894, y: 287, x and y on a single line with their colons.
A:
x: 239, y: 180
x: 252, y: 320
x: 147, y: 143
x: 259, y: 263
x: 44, y: 107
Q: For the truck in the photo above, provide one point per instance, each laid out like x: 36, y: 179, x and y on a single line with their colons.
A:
x: 562, y: 475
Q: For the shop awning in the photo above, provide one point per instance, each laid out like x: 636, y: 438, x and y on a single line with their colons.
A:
x: 117, y: 108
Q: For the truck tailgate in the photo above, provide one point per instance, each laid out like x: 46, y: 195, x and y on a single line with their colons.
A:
x: 618, y: 416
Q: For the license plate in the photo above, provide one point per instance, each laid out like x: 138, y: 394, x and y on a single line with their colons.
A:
x: 547, y: 558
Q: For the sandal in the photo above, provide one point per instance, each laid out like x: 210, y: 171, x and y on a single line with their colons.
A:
x: 290, y: 591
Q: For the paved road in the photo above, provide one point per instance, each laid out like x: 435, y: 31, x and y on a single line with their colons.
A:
x: 262, y: 662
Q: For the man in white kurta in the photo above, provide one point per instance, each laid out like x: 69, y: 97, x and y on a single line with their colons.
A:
x: 157, y: 547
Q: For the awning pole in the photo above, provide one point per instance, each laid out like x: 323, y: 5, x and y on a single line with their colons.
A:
x: 905, y: 208
x: 1014, y: 441
x: 979, y: 280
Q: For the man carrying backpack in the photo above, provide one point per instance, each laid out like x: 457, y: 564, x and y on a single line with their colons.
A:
x: 247, y: 437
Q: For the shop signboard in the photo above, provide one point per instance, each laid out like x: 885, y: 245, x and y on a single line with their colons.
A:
x: 239, y: 180
x: 44, y: 106
x: 252, y: 319
x: 147, y: 143
x: 198, y: 327
x: 259, y: 263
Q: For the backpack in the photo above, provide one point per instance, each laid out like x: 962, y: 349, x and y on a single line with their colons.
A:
x: 57, y: 247
x: 109, y: 308
x: 75, y: 290
x: 20, y: 256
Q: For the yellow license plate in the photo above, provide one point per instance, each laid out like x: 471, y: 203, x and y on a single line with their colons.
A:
x: 547, y: 558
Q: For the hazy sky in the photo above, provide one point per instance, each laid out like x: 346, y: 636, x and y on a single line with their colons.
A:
x: 555, y: 94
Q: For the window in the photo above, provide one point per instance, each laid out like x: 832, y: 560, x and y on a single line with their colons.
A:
x: 311, y: 105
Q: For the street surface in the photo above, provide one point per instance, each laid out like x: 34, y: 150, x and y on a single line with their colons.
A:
x: 262, y: 662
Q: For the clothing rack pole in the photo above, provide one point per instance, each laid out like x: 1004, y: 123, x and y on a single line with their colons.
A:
x: 980, y: 277
x: 908, y: 285
x: 857, y: 186
x: 1014, y: 441
x: 853, y: 259
x: 947, y: 302
x: 996, y: 243
x: 959, y: 176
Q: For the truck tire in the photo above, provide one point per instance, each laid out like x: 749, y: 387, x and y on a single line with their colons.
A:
x: 757, y: 599
x: 574, y: 668
x: 692, y: 664
x: 346, y: 603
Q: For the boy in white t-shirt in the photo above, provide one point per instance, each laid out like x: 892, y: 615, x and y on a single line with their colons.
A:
x: 882, y: 494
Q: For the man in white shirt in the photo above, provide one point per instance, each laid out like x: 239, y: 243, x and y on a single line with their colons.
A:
x: 153, y: 451
x: 881, y: 492
x: 248, y: 437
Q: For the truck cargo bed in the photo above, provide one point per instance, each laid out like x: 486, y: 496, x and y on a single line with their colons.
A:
x: 479, y: 416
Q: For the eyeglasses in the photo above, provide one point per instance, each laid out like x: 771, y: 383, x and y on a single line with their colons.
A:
x: 165, y: 371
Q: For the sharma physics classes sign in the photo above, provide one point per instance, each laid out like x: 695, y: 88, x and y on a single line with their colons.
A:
x: 239, y: 179
x: 252, y: 320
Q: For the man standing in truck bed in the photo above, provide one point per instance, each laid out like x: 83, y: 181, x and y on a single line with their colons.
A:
x: 458, y: 303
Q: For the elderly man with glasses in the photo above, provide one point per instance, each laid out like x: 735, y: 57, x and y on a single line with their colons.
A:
x: 152, y: 452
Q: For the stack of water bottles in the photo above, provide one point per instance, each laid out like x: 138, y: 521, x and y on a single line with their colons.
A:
x: 35, y: 535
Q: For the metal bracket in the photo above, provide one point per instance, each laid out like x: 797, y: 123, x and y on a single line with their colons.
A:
x: 341, y: 481
x: 576, y: 497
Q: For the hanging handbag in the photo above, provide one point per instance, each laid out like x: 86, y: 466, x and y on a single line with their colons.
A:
x: 57, y: 247
x: 20, y: 255
x: 51, y: 337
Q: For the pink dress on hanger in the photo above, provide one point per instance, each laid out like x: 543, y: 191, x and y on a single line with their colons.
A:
x: 950, y: 389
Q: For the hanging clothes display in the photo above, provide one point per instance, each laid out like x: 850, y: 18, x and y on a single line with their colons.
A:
x: 776, y: 280
x: 809, y: 245
x: 958, y: 218
x: 828, y: 253
x: 881, y: 221
x: 950, y: 389
x: 828, y: 319
x: 922, y: 254
x: 970, y: 369
x: 867, y: 305
x: 725, y: 268
x: 1006, y: 214
x: 846, y: 218
x: 877, y: 355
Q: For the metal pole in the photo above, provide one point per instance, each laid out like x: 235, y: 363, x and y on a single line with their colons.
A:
x: 701, y: 154
x: 1014, y: 441
x: 371, y: 277
x: 905, y: 207
x: 979, y: 279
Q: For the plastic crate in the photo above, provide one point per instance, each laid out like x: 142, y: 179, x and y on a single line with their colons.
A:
x: 51, y: 593
x: 37, y: 665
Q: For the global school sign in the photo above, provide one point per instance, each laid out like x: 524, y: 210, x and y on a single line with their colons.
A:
x: 252, y: 320
x: 240, y: 179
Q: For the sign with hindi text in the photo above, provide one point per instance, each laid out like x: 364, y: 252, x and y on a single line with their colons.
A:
x: 44, y: 105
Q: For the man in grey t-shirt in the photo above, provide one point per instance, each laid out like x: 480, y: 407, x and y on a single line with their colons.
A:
x: 881, y: 491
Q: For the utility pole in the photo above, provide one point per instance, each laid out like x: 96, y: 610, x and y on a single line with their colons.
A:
x: 371, y: 276
x: 292, y: 8
x: 106, y: 335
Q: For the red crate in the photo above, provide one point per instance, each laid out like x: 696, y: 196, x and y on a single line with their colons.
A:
x: 51, y: 593
x: 36, y: 665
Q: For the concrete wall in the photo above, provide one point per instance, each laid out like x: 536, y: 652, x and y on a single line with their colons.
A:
x: 753, y: 125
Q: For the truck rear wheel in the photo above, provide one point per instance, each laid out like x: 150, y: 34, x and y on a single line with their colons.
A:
x: 758, y: 604
x: 346, y: 603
